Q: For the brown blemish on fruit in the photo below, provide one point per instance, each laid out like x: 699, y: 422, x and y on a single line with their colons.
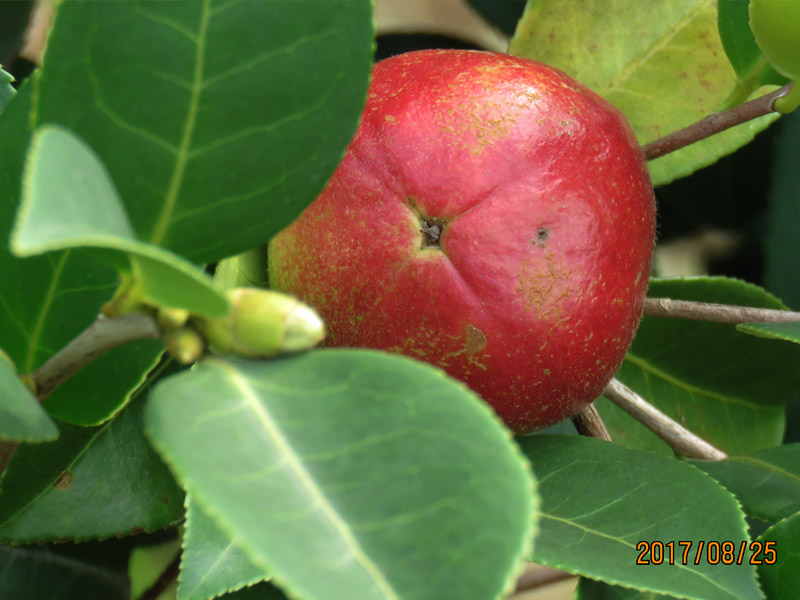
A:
x: 474, y: 340
x: 537, y: 281
x: 64, y: 481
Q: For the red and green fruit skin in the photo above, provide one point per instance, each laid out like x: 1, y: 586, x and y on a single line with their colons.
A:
x: 547, y: 221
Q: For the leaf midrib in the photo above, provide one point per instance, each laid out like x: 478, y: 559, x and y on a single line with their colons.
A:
x: 591, y: 531
x: 182, y: 156
x: 672, y: 380
x: 305, y: 479
x: 657, y: 45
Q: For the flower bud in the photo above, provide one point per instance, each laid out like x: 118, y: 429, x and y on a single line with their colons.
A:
x: 184, y: 345
x: 264, y: 323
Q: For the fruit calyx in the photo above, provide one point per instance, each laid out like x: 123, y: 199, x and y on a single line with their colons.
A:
x: 431, y: 228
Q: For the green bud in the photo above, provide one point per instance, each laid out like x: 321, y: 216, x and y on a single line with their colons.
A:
x: 172, y: 318
x: 184, y: 345
x: 264, y: 323
x: 776, y: 27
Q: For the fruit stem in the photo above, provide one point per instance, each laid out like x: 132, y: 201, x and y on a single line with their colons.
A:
x: 714, y: 123
x: 589, y: 423
x: 100, y: 337
x: 676, y: 436
x: 717, y: 313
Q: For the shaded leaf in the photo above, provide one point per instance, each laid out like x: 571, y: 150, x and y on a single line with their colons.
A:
x: 65, y: 571
x: 148, y: 563
x: 503, y: 15
x: 599, y: 500
x: 13, y: 23
x: 46, y: 301
x: 223, y: 125
x: 22, y: 418
x: 782, y: 578
x: 91, y: 483
x: 781, y: 268
x: 589, y: 589
x: 69, y: 201
x: 6, y: 90
x: 767, y: 483
x: 661, y: 63
x: 212, y: 563
x: 260, y: 591
x: 789, y: 332
x: 727, y: 387
x: 351, y: 474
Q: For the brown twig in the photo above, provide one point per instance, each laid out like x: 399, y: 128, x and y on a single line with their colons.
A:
x: 713, y: 123
x: 168, y: 575
x: 535, y: 576
x: 97, y: 339
x: 589, y: 423
x: 718, y: 313
x: 677, y: 437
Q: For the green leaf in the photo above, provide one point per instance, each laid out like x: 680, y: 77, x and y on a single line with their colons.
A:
x: 789, y: 332
x: 661, y: 63
x: 65, y: 571
x: 6, y: 90
x: 260, y: 591
x: 69, y: 201
x: 22, y: 418
x: 212, y: 563
x: 243, y: 270
x: 46, y: 301
x: 588, y: 589
x: 219, y: 121
x: 147, y: 563
x: 752, y: 69
x: 781, y: 579
x: 90, y: 484
x: 351, y: 474
x: 781, y: 268
x: 767, y: 483
x: 727, y: 387
x: 600, y: 500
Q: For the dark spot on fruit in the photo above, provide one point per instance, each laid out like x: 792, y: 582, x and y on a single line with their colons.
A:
x: 432, y: 229
x: 542, y: 233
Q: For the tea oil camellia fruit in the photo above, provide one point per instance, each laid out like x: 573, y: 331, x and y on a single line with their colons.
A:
x: 492, y: 217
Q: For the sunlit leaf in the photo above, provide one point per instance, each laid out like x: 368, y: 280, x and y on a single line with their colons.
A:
x: 22, y: 418
x: 661, y: 63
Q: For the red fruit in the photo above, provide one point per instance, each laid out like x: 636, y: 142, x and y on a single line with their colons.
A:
x: 491, y: 216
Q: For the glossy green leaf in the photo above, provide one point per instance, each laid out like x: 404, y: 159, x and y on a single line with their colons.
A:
x: 212, y: 563
x: 781, y: 267
x: 65, y: 571
x: 781, y: 580
x: 767, y: 483
x: 90, y: 484
x: 789, y: 332
x: 375, y: 477
x: 599, y: 500
x: 661, y: 63
x: 589, y: 589
x: 6, y: 90
x: 45, y: 301
x: 752, y: 69
x: 69, y: 201
x: 727, y: 387
x: 22, y: 418
x: 219, y: 121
